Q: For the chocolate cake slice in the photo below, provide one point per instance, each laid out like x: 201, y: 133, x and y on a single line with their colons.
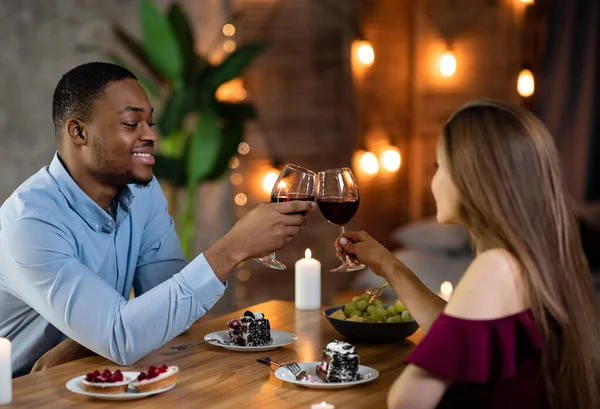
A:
x: 252, y: 330
x: 340, y: 363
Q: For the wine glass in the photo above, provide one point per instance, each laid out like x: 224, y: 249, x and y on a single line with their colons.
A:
x: 338, y: 200
x: 294, y: 183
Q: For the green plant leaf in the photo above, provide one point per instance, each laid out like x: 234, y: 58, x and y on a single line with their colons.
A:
x: 235, y: 111
x: 160, y: 43
x: 232, y: 134
x: 171, y: 169
x: 233, y: 65
x: 187, y: 221
x: 185, y: 36
x: 137, y: 50
x: 179, y: 104
x: 205, y: 144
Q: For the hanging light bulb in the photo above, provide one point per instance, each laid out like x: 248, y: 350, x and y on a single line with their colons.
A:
x: 391, y: 159
x: 365, y: 52
x: 269, y: 180
x: 525, y: 83
x: 368, y: 163
x: 229, y: 30
x: 527, y: 1
x: 448, y: 64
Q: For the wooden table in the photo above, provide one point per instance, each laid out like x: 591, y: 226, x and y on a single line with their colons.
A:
x: 212, y: 377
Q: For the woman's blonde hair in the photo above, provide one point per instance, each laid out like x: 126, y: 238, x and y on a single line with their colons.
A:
x: 505, y: 166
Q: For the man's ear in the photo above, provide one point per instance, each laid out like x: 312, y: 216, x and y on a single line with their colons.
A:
x: 76, y: 131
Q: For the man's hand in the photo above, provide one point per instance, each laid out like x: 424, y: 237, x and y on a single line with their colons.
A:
x: 264, y: 230
x: 66, y: 351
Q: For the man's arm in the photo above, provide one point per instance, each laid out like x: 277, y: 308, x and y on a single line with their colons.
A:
x: 41, y: 267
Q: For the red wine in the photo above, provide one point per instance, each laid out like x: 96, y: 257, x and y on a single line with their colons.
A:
x: 338, y: 210
x: 292, y: 196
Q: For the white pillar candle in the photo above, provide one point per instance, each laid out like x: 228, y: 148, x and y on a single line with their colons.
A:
x: 5, y: 372
x: 308, y: 283
x: 322, y: 405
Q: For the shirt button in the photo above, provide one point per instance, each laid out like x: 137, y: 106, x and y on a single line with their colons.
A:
x: 110, y: 223
x: 97, y: 226
x: 187, y: 327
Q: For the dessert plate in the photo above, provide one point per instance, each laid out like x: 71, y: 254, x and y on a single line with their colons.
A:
x: 280, y: 339
x: 75, y: 385
x: 367, y: 375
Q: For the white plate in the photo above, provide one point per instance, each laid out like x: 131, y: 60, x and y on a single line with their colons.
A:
x: 75, y: 385
x: 368, y: 374
x: 280, y: 339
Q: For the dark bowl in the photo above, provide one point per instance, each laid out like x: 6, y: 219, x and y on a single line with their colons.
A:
x: 371, y: 331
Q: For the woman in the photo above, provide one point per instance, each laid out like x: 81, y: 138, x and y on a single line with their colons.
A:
x: 522, y: 329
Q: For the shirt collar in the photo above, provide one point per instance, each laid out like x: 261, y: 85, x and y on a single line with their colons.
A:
x: 81, y: 203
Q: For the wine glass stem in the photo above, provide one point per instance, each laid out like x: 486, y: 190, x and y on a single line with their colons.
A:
x: 343, y: 234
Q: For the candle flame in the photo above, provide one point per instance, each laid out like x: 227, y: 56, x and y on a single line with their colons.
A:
x: 308, y: 253
x: 323, y: 404
x: 446, y: 288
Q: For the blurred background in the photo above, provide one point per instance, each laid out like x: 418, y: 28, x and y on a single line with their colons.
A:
x: 243, y: 87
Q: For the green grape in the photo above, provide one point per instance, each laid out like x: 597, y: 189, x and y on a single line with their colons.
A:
x: 355, y: 313
x: 383, y: 313
x: 406, y: 316
x: 399, y: 306
x: 391, y: 311
x: 365, y: 297
x: 368, y: 319
x: 378, y: 316
x: 395, y: 318
x: 348, y: 308
x: 371, y: 308
x: 356, y: 299
x: 378, y: 303
x: 361, y: 305
x: 365, y: 314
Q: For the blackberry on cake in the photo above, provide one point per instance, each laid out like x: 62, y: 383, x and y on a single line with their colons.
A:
x: 252, y: 330
x: 340, y: 363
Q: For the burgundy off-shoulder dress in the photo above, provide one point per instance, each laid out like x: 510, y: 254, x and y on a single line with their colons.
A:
x: 491, y: 363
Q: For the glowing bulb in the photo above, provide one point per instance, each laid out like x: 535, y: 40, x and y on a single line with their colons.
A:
x: 391, y: 159
x: 369, y: 164
x: 365, y: 52
x: 269, y: 181
x: 282, y: 185
x: 234, y: 163
x: 229, y: 30
x: 446, y: 288
x: 448, y: 64
x: 244, y: 275
x: 236, y: 179
x: 307, y: 254
x: 241, y: 199
x: 229, y: 46
x: 527, y: 1
x: 243, y: 148
x: 525, y: 83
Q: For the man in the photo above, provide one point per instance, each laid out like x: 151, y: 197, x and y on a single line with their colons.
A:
x: 80, y: 233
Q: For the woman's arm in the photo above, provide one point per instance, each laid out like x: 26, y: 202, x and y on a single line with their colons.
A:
x: 416, y: 389
x: 424, y: 305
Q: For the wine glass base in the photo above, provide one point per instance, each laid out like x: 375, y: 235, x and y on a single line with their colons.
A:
x: 271, y: 263
x: 348, y: 268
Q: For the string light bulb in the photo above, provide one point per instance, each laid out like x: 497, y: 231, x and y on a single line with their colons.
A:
x: 229, y: 30
x: 527, y: 1
x: 365, y: 52
x: 391, y: 159
x: 368, y: 163
x: 525, y: 83
x: 269, y: 180
x: 448, y: 64
x: 229, y: 46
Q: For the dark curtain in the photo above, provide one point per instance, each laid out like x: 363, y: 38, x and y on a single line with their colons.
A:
x: 567, y: 95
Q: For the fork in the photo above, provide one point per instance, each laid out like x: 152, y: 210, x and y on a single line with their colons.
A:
x: 374, y: 293
x: 294, y: 368
x: 188, y: 346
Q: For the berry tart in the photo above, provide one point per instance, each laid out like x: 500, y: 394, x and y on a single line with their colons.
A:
x: 340, y: 363
x: 252, y: 330
x: 156, y: 378
x: 107, y: 382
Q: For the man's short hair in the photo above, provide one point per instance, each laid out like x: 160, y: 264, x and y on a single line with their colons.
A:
x: 79, y: 89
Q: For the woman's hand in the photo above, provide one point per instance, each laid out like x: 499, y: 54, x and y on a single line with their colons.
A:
x: 361, y: 247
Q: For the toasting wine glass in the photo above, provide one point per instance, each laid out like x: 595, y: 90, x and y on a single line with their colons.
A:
x: 294, y: 183
x: 338, y: 200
